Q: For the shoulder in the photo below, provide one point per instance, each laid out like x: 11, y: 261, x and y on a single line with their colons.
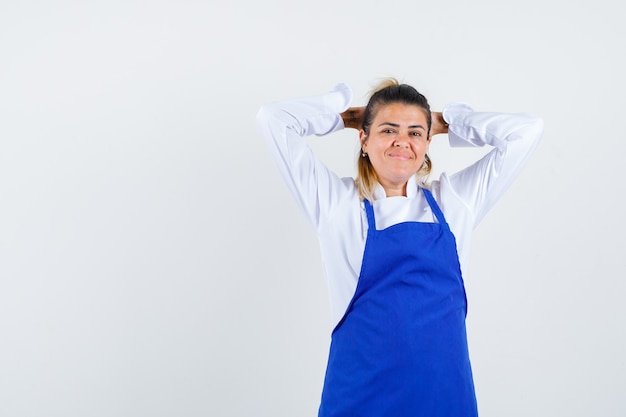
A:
x: 446, y: 195
x: 346, y: 203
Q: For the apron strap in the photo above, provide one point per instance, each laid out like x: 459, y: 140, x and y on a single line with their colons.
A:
x: 435, y: 208
x: 369, y: 210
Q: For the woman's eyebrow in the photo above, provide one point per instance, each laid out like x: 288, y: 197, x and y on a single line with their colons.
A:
x: 397, y: 125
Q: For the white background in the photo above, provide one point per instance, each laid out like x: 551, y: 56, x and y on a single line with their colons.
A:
x: 152, y: 262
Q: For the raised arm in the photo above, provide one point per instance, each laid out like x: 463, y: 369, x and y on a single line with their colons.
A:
x: 514, y: 137
x: 284, y: 125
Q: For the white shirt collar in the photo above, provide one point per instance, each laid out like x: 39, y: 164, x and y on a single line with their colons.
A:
x: 411, y: 189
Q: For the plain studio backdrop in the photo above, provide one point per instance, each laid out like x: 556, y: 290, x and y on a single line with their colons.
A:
x: 152, y: 262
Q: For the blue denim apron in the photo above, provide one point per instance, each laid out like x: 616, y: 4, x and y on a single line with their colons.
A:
x: 401, y: 347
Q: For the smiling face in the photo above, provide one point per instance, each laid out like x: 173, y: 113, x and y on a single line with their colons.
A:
x: 396, y: 145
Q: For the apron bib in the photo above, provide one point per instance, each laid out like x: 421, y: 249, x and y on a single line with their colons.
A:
x: 401, y: 348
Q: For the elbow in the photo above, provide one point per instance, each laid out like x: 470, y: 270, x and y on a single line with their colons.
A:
x: 266, y: 117
x: 263, y: 116
x: 532, y: 129
x: 535, y: 130
x: 266, y: 123
x: 272, y: 114
x: 536, y: 122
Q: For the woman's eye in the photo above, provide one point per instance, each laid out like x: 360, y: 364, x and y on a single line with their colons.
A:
x: 416, y: 134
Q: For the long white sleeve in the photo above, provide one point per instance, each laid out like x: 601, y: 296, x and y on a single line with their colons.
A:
x: 514, y: 137
x: 284, y: 125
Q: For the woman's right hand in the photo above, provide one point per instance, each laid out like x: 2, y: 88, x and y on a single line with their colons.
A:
x: 353, y: 117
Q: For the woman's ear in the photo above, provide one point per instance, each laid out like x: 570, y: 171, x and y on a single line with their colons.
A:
x: 363, y: 139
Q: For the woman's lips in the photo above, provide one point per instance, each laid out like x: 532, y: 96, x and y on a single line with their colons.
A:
x: 401, y: 155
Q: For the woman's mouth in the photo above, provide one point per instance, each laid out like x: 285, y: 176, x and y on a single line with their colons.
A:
x: 403, y: 156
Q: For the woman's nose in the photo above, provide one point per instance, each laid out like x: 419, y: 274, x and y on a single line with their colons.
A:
x: 401, y: 141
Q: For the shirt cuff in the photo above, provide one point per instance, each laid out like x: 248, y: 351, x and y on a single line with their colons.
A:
x: 337, y: 101
x: 454, y: 114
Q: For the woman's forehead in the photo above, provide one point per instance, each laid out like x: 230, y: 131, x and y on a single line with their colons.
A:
x: 400, y: 113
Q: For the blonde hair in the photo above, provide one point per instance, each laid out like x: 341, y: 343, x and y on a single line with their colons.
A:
x: 388, y: 91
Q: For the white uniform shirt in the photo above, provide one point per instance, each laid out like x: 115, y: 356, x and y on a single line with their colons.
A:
x: 333, y: 206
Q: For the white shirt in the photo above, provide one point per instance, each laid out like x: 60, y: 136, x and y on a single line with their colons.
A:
x: 333, y: 205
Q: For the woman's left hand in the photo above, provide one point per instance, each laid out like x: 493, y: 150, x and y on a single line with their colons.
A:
x: 439, y: 125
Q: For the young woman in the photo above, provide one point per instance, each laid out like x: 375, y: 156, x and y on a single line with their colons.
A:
x: 394, y: 245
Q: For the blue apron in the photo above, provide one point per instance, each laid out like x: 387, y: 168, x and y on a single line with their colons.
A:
x: 401, y: 347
